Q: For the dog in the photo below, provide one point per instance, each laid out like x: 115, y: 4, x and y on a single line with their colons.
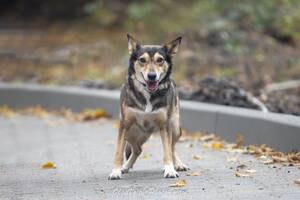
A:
x: 149, y: 103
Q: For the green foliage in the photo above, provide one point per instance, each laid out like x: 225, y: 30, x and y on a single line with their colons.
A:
x: 161, y: 17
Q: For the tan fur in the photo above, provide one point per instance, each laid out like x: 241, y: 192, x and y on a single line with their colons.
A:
x: 151, y: 65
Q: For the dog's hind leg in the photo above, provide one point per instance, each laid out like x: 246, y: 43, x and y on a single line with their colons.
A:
x: 135, y: 152
x: 179, y: 166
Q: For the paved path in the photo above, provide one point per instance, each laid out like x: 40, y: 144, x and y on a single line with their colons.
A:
x: 83, y: 155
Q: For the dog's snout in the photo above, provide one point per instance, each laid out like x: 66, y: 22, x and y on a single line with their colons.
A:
x: 151, y: 76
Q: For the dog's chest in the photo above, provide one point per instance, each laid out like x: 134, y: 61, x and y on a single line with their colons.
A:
x: 146, y: 121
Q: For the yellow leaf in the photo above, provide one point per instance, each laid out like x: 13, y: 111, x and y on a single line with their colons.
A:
x: 91, y: 114
x: 48, y: 165
x: 180, y: 183
x: 146, y: 156
x: 216, y: 145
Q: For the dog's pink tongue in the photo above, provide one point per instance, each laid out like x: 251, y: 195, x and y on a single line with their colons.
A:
x: 152, y: 85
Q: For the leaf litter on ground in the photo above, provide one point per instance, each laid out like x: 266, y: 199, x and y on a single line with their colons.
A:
x: 263, y: 153
x: 67, y: 114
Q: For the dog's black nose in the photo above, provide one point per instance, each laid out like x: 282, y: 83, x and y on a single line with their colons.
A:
x: 151, y: 76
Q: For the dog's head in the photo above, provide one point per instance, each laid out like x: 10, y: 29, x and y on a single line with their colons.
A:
x: 151, y: 64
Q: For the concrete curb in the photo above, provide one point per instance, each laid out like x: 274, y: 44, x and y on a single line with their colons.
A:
x: 278, y: 131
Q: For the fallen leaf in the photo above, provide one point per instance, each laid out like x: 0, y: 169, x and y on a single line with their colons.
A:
x: 48, y: 165
x: 242, y: 166
x: 250, y: 171
x: 239, y: 174
x: 266, y: 159
x: 91, y: 114
x: 180, y: 183
x: 216, y: 145
x: 193, y: 174
x: 239, y: 140
x: 208, y: 137
x: 243, y: 171
x: 145, y: 156
x: 297, y: 182
x: 196, y: 157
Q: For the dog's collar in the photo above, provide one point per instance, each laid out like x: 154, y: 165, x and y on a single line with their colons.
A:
x: 161, y: 86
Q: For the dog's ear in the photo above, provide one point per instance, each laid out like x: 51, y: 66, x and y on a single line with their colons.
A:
x: 173, y: 46
x: 133, y: 44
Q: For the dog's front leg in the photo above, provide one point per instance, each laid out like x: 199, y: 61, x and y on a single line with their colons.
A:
x: 166, y: 137
x: 118, y: 160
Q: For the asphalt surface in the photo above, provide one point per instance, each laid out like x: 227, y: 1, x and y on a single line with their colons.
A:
x: 83, y: 154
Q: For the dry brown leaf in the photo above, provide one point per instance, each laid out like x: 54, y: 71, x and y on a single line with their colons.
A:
x: 180, y: 183
x: 196, y: 157
x: 48, y: 165
x: 193, y: 174
x: 297, y: 182
x: 280, y: 158
x: 239, y: 140
x: 294, y: 157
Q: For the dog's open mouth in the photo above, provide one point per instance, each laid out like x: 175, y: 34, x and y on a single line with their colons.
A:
x: 152, y: 85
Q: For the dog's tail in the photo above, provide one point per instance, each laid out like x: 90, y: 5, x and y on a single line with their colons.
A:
x: 127, y: 151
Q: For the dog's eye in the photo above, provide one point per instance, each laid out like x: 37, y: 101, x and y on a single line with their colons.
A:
x: 142, y: 60
x: 160, y: 60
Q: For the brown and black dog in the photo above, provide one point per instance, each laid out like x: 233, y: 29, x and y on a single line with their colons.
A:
x: 149, y: 103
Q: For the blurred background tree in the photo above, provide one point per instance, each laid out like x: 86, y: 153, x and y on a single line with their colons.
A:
x: 252, y: 42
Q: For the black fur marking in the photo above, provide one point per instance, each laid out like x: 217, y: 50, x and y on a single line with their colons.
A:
x: 127, y: 151
x: 139, y: 96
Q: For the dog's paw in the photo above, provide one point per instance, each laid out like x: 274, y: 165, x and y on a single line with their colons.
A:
x: 124, y: 170
x: 181, y: 167
x: 169, y: 172
x: 115, y: 174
